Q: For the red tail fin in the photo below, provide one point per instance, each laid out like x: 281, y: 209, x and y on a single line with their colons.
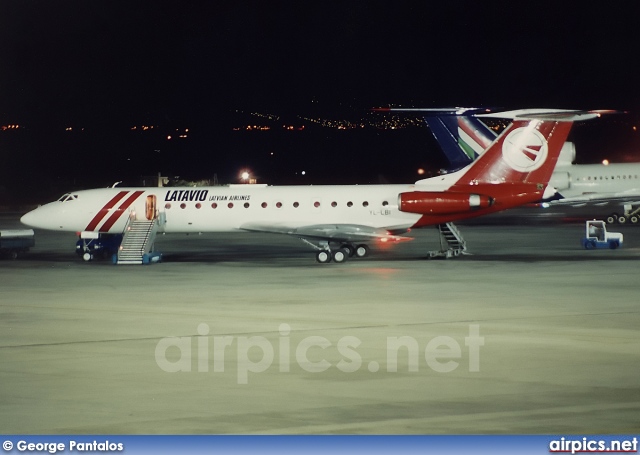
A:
x: 526, y: 152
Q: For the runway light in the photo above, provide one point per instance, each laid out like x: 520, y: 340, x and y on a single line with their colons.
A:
x: 244, y: 175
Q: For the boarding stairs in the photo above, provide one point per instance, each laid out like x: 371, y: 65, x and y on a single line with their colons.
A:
x: 451, y: 242
x: 137, y: 241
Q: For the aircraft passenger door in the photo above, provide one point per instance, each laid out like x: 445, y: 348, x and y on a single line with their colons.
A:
x: 150, y: 207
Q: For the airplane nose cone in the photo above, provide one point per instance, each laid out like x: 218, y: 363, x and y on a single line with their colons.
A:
x: 30, y: 219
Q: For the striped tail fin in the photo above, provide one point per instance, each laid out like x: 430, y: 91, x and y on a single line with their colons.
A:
x: 462, y: 137
x: 526, y: 152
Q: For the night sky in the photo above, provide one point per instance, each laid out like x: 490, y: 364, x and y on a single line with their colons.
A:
x: 107, y: 65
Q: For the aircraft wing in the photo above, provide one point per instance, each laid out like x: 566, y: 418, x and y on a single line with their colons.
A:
x: 332, y: 232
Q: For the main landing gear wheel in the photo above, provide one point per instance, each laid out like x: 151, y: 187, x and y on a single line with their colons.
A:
x: 362, y: 251
x: 323, y: 256
x: 351, y: 250
x: 611, y: 219
x: 341, y: 255
x: 86, y: 257
x: 633, y: 219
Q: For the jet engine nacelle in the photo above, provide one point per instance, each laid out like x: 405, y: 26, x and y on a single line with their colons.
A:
x: 560, y: 180
x: 567, y: 155
x: 434, y: 203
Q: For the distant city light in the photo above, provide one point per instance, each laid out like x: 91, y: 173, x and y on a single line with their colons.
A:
x: 420, y: 171
x: 304, y: 172
x: 605, y: 162
x: 245, y: 175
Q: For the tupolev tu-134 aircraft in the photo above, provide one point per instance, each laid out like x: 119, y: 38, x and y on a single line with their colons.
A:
x: 338, y: 221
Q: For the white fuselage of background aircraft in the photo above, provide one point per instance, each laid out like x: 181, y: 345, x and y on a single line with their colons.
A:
x: 579, y: 181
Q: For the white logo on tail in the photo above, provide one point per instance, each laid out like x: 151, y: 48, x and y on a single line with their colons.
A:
x: 525, y: 149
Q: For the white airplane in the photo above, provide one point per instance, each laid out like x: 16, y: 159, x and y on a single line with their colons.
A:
x: 463, y: 137
x: 338, y: 221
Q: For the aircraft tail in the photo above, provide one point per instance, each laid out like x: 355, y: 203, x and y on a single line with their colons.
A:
x: 526, y: 152
x: 514, y: 170
x: 462, y: 137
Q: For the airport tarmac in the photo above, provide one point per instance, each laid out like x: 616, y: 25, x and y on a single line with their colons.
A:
x: 528, y: 334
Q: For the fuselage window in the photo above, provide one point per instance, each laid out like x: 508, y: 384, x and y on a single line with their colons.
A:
x: 279, y: 204
x: 246, y: 205
x: 349, y: 204
x: 183, y: 206
x: 214, y: 205
x: 296, y: 204
x: 316, y: 204
x: 198, y: 205
x: 385, y: 203
x: 167, y: 206
x: 264, y: 205
x: 334, y: 204
x: 230, y: 205
x: 365, y: 204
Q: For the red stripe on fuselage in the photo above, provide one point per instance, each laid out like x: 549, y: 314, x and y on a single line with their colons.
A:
x: 124, y: 206
x: 104, y: 210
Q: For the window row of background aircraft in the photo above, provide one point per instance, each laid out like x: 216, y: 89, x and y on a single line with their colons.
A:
x: 527, y: 163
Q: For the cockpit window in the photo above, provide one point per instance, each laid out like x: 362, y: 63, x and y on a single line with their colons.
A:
x: 68, y: 197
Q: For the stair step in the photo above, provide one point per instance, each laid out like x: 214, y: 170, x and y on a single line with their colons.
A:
x: 137, y: 241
